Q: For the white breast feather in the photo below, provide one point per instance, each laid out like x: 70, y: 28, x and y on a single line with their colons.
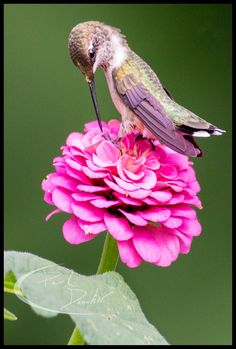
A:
x: 119, y: 51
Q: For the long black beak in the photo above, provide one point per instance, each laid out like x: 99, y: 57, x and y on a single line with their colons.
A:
x: 95, y: 103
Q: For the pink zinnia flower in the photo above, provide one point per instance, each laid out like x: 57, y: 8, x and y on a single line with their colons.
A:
x: 140, y: 192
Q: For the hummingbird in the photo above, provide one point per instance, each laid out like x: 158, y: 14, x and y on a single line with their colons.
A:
x: 136, y: 91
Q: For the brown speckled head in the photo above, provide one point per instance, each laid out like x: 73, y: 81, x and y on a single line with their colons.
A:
x: 90, y: 46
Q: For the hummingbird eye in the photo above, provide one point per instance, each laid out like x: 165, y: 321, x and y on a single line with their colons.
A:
x: 91, y: 53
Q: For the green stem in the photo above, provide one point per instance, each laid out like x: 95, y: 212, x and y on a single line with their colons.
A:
x: 110, y: 255
x: 108, y: 262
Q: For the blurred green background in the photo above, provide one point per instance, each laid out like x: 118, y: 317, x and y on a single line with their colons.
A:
x: 46, y: 98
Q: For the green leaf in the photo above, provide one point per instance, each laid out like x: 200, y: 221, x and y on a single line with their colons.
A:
x: 8, y: 315
x: 10, y: 285
x: 103, y: 306
x: 9, y: 282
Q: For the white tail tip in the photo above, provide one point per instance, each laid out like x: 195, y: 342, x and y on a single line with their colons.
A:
x: 218, y: 132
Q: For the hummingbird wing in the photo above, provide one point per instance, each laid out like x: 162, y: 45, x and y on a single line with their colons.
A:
x: 149, y: 110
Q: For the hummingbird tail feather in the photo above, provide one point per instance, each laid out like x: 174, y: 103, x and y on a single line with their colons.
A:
x: 218, y: 132
x: 201, y: 132
x: 183, y: 144
x: 190, y: 148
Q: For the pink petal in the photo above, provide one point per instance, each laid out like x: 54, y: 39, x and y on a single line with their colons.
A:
x: 51, y: 214
x: 78, y: 154
x: 104, y: 203
x: 102, y: 164
x: 114, y: 186
x: 169, y: 247
x: 128, y: 254
x: 92, y: 228
x: 64, y: 181
x: 173, y: 222
x: 148, y: 181
x: 152, y: 161
x: 91, y: 188
x: 87, y: 212
x: 114, y: 126
x: 156, y: 214
x: 184, y: 240
x: 127, y: 142
x: 91, y: 139
x: 73, y: 233
x: 149, y: 201
x: 91, y: 148
x: 192, y: 200
x: 133, y: 164
x: 146, y: 246
x: 183, y: 211
x: 178, y: 160
x: 195, y: 187
x: 125, y: 185
x: 74, y: 139
x: 73, y: 164
x: 60, y: 169
x: 160, y: 184
x: 190, y: 227
x: 168, y: 171
x: 48, y: 198
x: 61, y: 160
x: 173, y: 185
x: 176, y: 199
x: 177, y: 182
x: 47, y: 185
x: 134, y: 176
x: 128, y: 168
x: 78, y: 175
x: 121, y: 167
x: 127, y: 200
x: 161, y: 195
x: 83, y: 196
x: 134, y: 218
x: 93, y: 174
x: 94, y: 125
x: 95, y: 168
x: 191, y: 174
x: 139, y: 194
x: 62, y: 200
x: 108, y: 152
x: 118, y: 227
x: 144, y: 146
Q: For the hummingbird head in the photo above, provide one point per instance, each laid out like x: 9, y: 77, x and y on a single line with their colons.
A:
x: 93, y: 44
